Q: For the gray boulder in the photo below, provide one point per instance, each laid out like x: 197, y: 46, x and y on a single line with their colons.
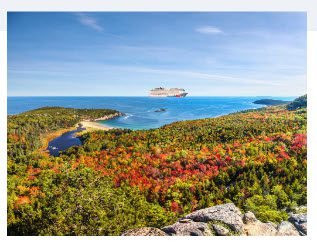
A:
x: 187, y: 227
x: 145, y: 231
x: 249, y: 218
x: 300, y: 222
x: 225, y: 220
x: 227, y: 214
x: 286, y: 229
x: 258, y: 228
x: 220, y: 230
x: 254, y: 227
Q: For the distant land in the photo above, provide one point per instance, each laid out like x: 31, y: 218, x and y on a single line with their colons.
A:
x: 270, y: 102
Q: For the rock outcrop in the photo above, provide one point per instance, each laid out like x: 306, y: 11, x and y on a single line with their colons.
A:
x: 227, y: 214
x: 287, y: 229
x: 300, y: 222
x: 254, y: 227
x: 226, y: 220
x: 110, y: 116
x: 145, y: 231
x: 188, y: 227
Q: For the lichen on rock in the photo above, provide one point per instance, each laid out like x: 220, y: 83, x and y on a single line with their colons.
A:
x: 228, y: 213
x: 188, y: 227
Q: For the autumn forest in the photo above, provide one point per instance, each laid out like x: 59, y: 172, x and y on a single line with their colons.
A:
x: 122, y: 179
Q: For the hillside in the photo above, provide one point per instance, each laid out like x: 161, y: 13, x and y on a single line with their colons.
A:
x: 123, y: 179
x: 300, y: 102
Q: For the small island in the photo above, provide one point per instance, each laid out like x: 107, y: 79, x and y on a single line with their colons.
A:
x: 160, y: 110
x: 270, y: 102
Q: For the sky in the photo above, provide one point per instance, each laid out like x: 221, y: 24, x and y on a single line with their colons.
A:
x: 129, y: 53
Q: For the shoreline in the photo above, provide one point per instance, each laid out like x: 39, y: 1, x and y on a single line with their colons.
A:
x: 46, y: 138
x: 84, y: 127
x: 91, y: 125
x: 79, y: 128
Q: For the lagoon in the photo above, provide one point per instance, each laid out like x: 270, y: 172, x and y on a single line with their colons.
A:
x: 63, y: 142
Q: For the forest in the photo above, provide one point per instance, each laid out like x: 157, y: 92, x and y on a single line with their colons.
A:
x: 123, y: 179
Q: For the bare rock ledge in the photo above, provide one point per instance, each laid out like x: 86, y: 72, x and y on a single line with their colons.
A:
x: 225, y: 220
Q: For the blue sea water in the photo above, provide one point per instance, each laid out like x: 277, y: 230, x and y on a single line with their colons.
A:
x: 140, y: 111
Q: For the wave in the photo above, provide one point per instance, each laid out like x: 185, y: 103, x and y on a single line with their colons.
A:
x: 127, y: 116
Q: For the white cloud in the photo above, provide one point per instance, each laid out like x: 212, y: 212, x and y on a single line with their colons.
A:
x: 86, y: 20
x: 209, y: 30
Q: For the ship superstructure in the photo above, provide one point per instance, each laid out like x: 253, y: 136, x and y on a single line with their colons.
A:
x: 164, y: 92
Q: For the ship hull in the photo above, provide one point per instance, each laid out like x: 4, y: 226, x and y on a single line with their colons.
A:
x: 179, y: 95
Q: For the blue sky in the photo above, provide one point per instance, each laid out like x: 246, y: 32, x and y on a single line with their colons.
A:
x: 126, y: 54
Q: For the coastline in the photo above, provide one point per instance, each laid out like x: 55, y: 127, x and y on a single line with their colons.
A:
x: 91, y: 125
x: 144, y: 117
x: 80, y: 128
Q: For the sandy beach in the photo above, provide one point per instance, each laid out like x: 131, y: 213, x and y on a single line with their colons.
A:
x: 89, y: 125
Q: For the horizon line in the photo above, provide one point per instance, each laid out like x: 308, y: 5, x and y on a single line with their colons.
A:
x: 151, y: 96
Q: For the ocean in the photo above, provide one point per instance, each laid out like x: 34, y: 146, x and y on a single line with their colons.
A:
x: 140, y: 112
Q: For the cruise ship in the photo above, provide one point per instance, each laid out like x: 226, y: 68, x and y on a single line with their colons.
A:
x: 163, y: 92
